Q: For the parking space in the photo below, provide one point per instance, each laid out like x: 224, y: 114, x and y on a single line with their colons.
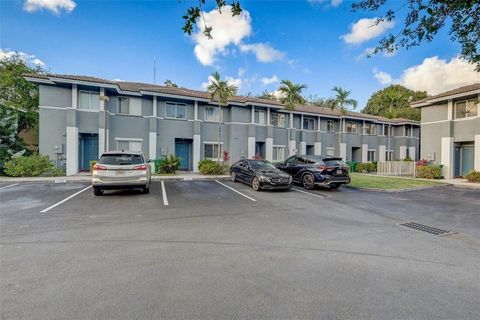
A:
x: 191, y: 244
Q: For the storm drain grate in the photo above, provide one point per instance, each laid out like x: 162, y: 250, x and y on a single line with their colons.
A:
x: 425, y: 228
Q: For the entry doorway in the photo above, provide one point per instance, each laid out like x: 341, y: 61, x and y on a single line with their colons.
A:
x: 310, y: 150
x: 357, y: 154
x: 464, y: 159
x: 183, y: 150
x: 260, y: 149
x: 88, y: 150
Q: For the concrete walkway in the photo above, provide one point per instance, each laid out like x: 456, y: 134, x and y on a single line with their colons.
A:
x: 86, y: 176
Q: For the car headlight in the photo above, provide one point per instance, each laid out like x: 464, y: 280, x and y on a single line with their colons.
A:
x: 264, y: 178
x: 290, y: 179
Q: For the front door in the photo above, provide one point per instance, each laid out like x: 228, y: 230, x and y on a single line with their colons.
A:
x: 467, y: 159
x: 260, y: 150
x: 182, y: 150
x: 88, y: 150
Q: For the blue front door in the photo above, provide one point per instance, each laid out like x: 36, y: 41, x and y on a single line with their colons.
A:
x: 467, y: 159
x: 182, y: 150
x: 88, y: 150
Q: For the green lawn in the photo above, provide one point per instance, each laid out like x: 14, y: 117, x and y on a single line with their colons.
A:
x: 360, y: 180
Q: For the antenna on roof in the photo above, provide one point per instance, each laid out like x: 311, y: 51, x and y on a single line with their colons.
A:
x: 154, y: 69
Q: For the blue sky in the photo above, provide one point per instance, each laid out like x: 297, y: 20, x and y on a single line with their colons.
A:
x: 303, y: 41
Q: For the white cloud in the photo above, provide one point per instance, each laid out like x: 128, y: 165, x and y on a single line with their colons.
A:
x: 267, y: 81
x: 264, y: 52
x: 28, y: 58
x: 382, y: 77
x: 434, y: 75
x: 227, y: 30
x: 53, y: 5
x: 366, y: 29
x: 241, y: 72
x: 334, y: 3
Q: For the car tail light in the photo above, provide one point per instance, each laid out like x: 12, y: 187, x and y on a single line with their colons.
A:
x: 99, y: 167
x: 321, y: 168
x: 140, y: 167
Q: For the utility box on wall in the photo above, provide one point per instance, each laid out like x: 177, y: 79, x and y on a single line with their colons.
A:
x: 58, y: 148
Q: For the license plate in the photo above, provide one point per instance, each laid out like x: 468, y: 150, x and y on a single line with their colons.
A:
x: 339, y: 171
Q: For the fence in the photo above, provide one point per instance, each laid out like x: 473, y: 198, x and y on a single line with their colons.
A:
x: 396, y: 168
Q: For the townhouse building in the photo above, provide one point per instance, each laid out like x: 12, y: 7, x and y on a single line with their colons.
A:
x: 81, y: 116
x: 451, y: 130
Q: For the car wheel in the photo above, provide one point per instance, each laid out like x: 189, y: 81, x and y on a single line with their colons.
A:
x: 256, y: 184
x: 233, y: 176
x: 97, y: 191
x: 308, y: 181
x: 334, y: 186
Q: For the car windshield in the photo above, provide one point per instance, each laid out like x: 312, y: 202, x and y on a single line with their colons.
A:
x: 120, y: 159
x: 261, y: 165
x: 313, y: 159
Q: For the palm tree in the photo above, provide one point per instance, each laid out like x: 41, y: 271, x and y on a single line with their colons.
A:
x: 221, y: 91
x: 292, y: 93
x: 340, y: 102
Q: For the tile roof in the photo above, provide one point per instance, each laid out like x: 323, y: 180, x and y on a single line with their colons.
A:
x: 184, y: 92
x: 464, y: 89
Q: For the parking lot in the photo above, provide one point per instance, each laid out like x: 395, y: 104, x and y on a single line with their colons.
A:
x: 218, y: 249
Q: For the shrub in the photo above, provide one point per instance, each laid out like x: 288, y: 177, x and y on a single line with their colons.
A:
x: 169, y: 164
x: 210, y: 167
x: 422, y: 162
x: 431, y: 171
x: 473, y: 176
x: 92, y: 163
x: 366, y: 167
x: 226, y: 156
x: 32, y: 166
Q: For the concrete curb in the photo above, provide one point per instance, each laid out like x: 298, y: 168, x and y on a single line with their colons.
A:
x: 400, y: 190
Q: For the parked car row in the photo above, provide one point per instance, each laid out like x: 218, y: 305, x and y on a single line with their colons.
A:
x: 130, y: 170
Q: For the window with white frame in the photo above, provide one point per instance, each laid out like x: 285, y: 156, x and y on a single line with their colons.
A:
x: 212, y: 114
x: 371, y: 155
x: 278, y: 153
x: 88, y: 100
x: 370, y: 128
x: 279, y: 120
x: 330, y: 127
x: 175, y: 110
x: 465, y: 109
x: 308, y: 124
x: 129, y: 145
x: 212, y: 150
x: 351, y: 127
x: 130, y: 106
x: 389, y: 155
x: 260, y: 117
x: 330, y: 151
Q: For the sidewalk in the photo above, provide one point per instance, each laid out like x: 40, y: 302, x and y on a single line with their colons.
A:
x: 86, y: 177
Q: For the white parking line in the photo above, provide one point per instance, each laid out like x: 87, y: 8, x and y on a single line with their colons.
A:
x: 164, y: 194
x: 65, y: 200
x: 9, y: 186
x: 312, y: 194
x: 234, y: 190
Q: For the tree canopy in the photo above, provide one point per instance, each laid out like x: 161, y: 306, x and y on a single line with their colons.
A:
x: 170, y: 83
x: 292, y: 93
x: 394, y: 102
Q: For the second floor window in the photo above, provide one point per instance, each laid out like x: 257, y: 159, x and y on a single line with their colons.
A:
x: 175, y: 111
x: 387, y: 130
x: 260, y: 117
x: 370, y: 128
x: 212, y: 114
x: 88, y: 100
x: 465, y: 109
x: 408, y: 131
x: 308, y: 124
x: 351, y: 127
x: 278, y: 120
x: 330, y: 127
x: 130, y: 106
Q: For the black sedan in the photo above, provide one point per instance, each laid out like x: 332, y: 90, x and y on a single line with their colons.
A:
x: 260, y: 174
x: 313, y: 171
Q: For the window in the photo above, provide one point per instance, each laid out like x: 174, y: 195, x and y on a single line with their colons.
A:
x: 129, y: 145
x: 370, y: 128
x: 121, y: 159
x: 278, y: 153
x: 88, y: 100
x: 260, y: 117
x: 465, y: 109
x: 212, y: 114
x: 175, y: 111
x: 330, y: 151
x: 351, y: 127
x: 130, y: 106
x: 212, y: 151
x: 408, y: 131
x: 279, y: 120
x: 371, y: 155
x: 387, y: 130
x: 308, y: 124
x: 330, y: 127
x: 389, y: 155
